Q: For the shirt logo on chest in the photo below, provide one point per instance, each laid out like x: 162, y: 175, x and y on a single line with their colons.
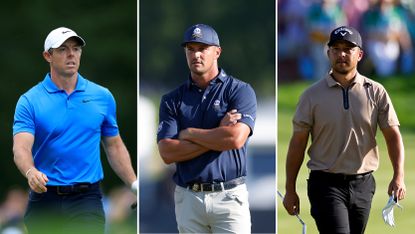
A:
x: 216, y: 105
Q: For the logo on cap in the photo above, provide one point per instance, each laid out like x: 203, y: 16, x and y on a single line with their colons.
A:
x: 343, y: 31
x: 197, y: 33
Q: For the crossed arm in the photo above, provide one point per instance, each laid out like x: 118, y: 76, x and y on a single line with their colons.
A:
x: 192, y: 142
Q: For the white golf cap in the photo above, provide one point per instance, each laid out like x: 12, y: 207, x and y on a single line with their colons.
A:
x: 58, y: 36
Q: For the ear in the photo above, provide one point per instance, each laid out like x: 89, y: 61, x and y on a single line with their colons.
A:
x: 218, y: 52
x: 47, y: 56
x: 360, y: 55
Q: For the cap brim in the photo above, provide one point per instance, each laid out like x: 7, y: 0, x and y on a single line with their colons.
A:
x: 198, y: 41
x: 62, y: 40
x: 330, y: 43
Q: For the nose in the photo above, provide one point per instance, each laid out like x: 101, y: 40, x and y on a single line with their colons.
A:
x: 71, y: 51
x: 197, y: 54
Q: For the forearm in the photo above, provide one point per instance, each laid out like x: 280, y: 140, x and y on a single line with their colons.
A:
x: 119, y: 160
x: 23, y: 160
x: 292, y: 167
x: 22, y: 151
x: 174, y: 150
x: 396, y: 153
x: 219, y: 139
x: 295, y: 158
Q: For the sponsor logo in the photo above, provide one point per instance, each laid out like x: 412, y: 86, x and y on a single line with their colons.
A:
x: 197, y: 33
x: 160, y: 127
x: 216, y: 105
x: 248, y: 116
x: 343, y: 31
x: 86, y: 100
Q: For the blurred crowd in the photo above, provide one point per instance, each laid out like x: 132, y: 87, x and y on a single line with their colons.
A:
x: 120, y: 218
x: 387, y: 28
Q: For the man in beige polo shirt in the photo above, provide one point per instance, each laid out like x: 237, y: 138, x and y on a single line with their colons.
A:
x: 341, y: 112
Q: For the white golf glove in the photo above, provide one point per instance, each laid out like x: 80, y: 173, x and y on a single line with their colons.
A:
x: 387, y: 212
x: 134, y: 187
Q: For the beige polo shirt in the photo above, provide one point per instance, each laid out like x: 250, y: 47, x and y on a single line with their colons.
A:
x: 343, y: 123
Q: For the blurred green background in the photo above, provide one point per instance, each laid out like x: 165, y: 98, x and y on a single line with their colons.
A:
x: 109, y: 58
x: 400, y: 89
x: 246, y: 33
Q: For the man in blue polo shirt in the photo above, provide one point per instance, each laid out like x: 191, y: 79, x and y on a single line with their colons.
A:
x: 57, y: 130
x: 204, y: 126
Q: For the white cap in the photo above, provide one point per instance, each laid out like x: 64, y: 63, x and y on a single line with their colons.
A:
x: 58, y: 36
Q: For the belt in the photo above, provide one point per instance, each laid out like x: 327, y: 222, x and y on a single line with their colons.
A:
x: 216, y: 186
x: 338, y: 176
x: 73, y: 189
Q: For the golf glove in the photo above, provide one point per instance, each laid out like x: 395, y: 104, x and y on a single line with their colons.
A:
x: 387, y: 212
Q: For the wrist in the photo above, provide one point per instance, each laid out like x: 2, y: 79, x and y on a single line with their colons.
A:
x: 134, y: 186
x: 28, y: 171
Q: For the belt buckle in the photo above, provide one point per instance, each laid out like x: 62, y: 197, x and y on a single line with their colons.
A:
x: 195, y: 187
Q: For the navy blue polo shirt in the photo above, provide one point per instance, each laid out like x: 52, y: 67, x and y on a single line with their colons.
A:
x: 189, y: 106
x: 67, y: 129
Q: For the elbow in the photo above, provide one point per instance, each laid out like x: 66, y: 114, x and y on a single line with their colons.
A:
x: 166, y: 159
x: 236, y: 143
x: 165, y: 152
x: 239, y: 144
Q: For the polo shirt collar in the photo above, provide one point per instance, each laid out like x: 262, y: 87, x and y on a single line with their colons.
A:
x: 52, y: 88
x: 358, y: 79
x: 221, y: 77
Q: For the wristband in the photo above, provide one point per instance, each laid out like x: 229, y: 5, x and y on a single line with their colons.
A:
x: 134, y: 187
x: 27, y: 172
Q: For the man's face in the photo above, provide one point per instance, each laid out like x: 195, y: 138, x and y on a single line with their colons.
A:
x: 344, y: 56
x: 65, y: 60
x: 201, y: 58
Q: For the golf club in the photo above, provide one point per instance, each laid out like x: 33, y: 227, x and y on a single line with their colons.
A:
x: 296, y: 215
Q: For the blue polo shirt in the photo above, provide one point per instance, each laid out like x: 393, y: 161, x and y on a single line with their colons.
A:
x: 67, y: 129
x: 189, y: 106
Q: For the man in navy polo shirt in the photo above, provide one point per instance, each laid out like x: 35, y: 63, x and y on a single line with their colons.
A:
x: 204, y: 126
x: 58, y: 127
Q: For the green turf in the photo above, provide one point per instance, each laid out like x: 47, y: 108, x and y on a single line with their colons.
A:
x: 400, y: 90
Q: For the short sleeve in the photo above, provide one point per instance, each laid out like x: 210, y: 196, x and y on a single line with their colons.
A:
x: 303, y: 117
x: 109, y: 126
x: 387, y: 116
x: 168, y: 121
x: 244, y: 101
x: 23, y: 117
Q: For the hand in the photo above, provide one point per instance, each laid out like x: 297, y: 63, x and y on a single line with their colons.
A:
x: 397, y: 187
x: 37, y: 180
x: 231, y: 118
x: 292, y: 203
x: 134, y: 187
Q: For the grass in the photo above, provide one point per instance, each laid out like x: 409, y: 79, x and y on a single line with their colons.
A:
x: 400, y: 90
